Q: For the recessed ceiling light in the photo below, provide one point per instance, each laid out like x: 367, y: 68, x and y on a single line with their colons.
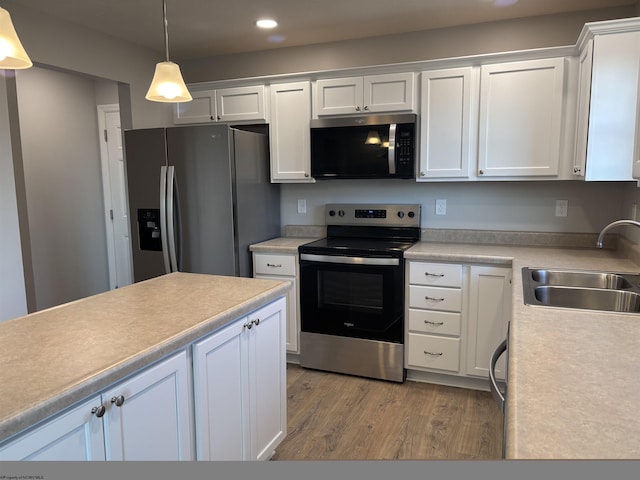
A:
x: 266, y: 23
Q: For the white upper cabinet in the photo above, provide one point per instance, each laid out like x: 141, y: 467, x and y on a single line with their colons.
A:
x: 392, y: 92
x: 289, y: 135
x: 236, y: 104
x: 446, y: 143
x: 520, y: 123
x: 607, y: 102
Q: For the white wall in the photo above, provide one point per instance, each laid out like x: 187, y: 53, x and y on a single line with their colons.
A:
x: 13, y: 301
x: 504, y: 206
x: 59, y: 133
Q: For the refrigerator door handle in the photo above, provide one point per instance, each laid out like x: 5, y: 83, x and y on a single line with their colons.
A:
x: 163, y: 218
x: 171, y: 212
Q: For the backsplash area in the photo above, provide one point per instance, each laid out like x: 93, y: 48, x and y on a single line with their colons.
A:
x: 475, y: 206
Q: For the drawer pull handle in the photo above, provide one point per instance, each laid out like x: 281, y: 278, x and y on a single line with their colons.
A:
x: 273, y: 265
x: 426, y: 352
x: 434, y: 323
x: 429, y: 274
x: 427, y: 297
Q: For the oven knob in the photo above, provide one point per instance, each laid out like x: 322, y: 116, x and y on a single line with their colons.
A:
x: 332, y: 213
x: 401, y: 214
x: 411, y: 214
x: 341, y: 213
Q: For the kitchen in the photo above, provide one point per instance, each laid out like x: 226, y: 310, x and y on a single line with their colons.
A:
x: 520, y: 206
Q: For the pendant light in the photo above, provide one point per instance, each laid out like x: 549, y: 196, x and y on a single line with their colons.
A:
x: 12, y: 53
x: 167, y: 84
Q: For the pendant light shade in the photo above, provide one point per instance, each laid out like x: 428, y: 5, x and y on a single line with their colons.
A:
x: 12, y: 53
x: 167, y: 84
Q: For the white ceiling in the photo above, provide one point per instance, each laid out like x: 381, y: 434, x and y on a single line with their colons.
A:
x: 201, y: 28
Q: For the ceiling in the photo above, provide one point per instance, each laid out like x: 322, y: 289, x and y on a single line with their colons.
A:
x: 202, y: 28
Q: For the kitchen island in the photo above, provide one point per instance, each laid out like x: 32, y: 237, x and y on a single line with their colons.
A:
x: 52, y: 359
x: 573, y: 387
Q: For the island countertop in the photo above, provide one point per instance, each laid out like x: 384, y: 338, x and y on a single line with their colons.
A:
x: 51, y: 359
x: 573, y: 385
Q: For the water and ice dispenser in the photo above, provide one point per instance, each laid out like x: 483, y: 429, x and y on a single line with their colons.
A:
x: 149, y: 229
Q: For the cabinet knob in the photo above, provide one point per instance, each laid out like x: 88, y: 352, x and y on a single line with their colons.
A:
x: 256, y: 322
x: 481, y: 172
x: 306, y: 175
x: 422, y: 174
x: 577, y: 170
x: 358, y: 108
x: 366, y: 107
x: 248, y: 325
x: 119, y: 400
x: 98, y: 411
x: 219, y: 118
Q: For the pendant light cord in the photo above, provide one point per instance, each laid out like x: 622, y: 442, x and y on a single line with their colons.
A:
x: 166, y: 29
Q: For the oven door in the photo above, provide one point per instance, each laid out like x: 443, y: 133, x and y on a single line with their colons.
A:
x: 356, y: 297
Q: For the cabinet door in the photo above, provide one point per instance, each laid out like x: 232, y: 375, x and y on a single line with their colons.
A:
x: 521, y: 107
x: 154, y: 421
x: 221, y: 394
x: 72, y: 436
x: 339, y: 96
x: 612, y: 107
x: 289, y: 137
x: 389, y: 93
x: 199, y: 110
x: 241, y: 104
x: 582, y: 115
x: 445, y: 130
x: 489, y: 315
x: 267, y: 379
x: 293, y: 325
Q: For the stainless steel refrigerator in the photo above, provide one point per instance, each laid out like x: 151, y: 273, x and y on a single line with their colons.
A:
x: 198, y: 197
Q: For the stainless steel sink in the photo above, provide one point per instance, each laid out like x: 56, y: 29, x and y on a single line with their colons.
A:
x: 582, y: 289
x: 571, y: 278
x: 589, y: 298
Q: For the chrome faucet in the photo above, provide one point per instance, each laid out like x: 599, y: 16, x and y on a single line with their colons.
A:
x: 613, y: 225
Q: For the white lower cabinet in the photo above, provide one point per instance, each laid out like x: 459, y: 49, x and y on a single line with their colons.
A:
x: 457, y: 314
x: 147, y: 417
x: 240, y: 388
x: 283, y: 267
x: 488, y: 318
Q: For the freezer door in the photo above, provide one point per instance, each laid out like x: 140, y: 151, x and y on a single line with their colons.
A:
x: 145, y: 155
x: 204, y: 226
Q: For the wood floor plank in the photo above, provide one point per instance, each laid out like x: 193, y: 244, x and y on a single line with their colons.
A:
x: 342, y: 417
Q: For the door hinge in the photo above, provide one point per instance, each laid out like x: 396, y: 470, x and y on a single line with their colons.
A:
x: 111, y: 214
x: 106, y: 136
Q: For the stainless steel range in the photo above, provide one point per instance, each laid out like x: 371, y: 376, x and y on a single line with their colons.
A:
x: 352, y: 290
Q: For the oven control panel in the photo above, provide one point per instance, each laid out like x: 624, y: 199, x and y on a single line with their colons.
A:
x: 388, y: 215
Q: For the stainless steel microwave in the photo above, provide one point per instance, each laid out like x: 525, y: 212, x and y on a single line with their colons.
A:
x: 376, y: 146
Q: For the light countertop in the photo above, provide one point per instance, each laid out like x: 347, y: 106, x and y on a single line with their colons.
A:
x: 573, y: 384
x: 51, y: 359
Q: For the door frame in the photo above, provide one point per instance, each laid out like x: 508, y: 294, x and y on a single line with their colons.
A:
x: 102, y: 110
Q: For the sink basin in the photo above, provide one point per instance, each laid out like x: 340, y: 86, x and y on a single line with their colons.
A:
x: 582, y: 289
x: 588, y: 298
x: 576, y: 278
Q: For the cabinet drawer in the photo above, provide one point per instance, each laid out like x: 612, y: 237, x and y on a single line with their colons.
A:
x: 430, y: 321
x: 427, y: 351
x: 267, y: 264
x: 435, y: 298
x: 439, y: 274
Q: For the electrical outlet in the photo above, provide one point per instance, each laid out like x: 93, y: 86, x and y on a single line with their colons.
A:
x: 441, y: 207
x: 561, y: 208
x: 302, y: 206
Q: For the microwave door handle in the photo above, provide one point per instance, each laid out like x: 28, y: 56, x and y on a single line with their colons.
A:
x: 392, y: 149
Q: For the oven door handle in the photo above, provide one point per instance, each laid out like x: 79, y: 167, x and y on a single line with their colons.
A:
x: 349, y: 260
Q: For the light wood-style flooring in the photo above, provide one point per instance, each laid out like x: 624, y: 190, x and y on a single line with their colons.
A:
x: 341, y: 417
